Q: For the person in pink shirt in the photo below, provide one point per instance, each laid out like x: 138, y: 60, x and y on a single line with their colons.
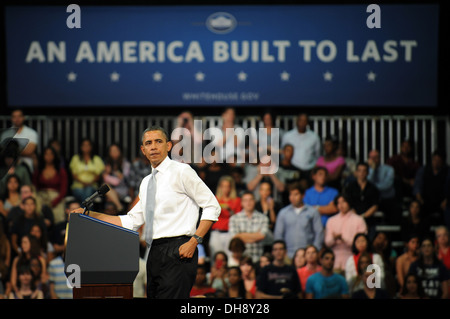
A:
x: 340, y: 231
x: 312, y: 265
x: 333, y: 162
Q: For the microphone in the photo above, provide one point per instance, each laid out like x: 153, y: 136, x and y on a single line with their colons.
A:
x: 100, y: 192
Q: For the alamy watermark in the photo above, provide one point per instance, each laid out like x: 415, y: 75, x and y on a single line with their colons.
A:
x: 74, y: 279
x: 374, y: 280
x: 232, y: 145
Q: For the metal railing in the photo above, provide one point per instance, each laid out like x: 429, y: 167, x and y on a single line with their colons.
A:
x: 359, y: 134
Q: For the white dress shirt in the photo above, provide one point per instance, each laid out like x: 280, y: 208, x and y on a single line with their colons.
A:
x: 307, y: 148
x: 180, y: 193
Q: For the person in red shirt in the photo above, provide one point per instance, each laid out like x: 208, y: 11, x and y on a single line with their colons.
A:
x: 230, y: 204
x: 443, y: 247
x: 312, y: 265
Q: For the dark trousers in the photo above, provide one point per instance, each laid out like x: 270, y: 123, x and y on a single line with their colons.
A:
x: 168, y: 276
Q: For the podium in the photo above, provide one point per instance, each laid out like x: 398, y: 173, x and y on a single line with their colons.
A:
x: 107, y: 256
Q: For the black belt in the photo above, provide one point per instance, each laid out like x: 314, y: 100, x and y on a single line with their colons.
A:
x: 166, y: 240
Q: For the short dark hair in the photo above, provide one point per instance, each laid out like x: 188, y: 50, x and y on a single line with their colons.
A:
x: 279, y: 241
x: 29, y: 197
x: 326, y: 251
x: 236, y: 244
x: 319, y: 168
x: 155, y: 128
x: 440, y: 153
x: 363, y: 164
x: 70, y: 202
x: 296, y: 186
x: 345, y: 197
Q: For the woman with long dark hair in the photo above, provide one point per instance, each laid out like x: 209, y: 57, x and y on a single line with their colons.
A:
x: 86, y: 168
x: 361, y: 244
x: 412, y: 288
x: 29, y: 249
x: 12, y: 195
x: 117, y: 171
x: 51, y: 182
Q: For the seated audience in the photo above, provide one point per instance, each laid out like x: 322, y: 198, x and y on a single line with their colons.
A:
x: 278, y: 280
x: 307, y: 146
x: 431, y: 271
x: 361, y: 244
x: 404, y: 261
x: 230, y: 204
x: 298, y: 225
x: 299, y: 259
x: 363, y: 197
x: 429, y: 187
x: 116, y: 174
x: 237, y: 249
x: 86, y: 168
x: 382, y: 245
x: 248, y: 276
x: 320, y: 195
x: 341, y: 230
x: 412, y: 288
x: 268, y: 205
x: 382, y: 176
x: 25, y: 288
x: 51, y: 183
x: 29, y: 250
x: 25, y: 221
x: 356, y: 281
x: 10, y: 166
x: 250, y: 226
x: 415, y: 223
x: 217, y: 276
x: 370, y: 291
x: 311, y: 267
x: 12, y: 195
x: 201, y: 288
x: 326, y: 284
x: 236, y: 288
x: 332, y: 161
x: 405, y: 168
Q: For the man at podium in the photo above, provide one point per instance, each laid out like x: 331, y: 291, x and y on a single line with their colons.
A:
x: 168, y: 205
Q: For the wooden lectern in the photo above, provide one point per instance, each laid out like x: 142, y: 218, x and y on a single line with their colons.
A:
x: 107, y: 256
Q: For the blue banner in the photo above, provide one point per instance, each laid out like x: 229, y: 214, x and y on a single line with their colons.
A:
x: 315, y: 55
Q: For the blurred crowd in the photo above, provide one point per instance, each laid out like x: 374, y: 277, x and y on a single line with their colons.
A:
x: 309, y: 230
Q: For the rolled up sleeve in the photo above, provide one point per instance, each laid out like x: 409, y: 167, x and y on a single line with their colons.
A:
x: 197, y: 190
x: 134, y: 218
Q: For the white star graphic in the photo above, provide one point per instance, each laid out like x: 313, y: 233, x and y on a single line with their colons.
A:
x: 114, y: 77
x: 284, y: 76
x: 157, y: 76
x: 242, y: 76
x: 328, y: 76
x: 371, y: 76
x: 72, y: 76
x: 200, y: 76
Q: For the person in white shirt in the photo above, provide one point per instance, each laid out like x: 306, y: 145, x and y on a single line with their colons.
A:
x: 26, y: 137
x: 172, y: 255
x: 307, y: 146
